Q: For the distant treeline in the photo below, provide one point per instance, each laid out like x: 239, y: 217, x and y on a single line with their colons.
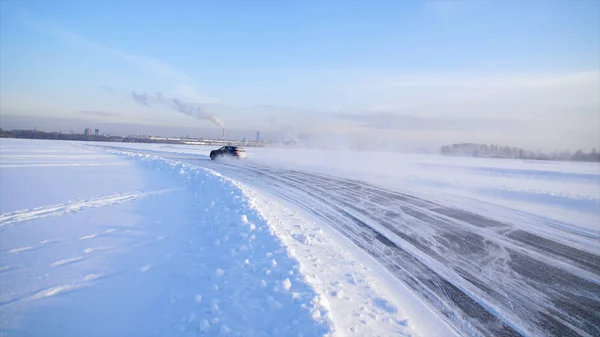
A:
x: 36, y: 134
x: 495, y: 151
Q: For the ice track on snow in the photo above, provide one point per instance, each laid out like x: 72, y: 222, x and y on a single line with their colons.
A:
x: 482, y: 275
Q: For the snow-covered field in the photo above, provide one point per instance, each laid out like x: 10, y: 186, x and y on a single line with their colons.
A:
x: 142, y: 240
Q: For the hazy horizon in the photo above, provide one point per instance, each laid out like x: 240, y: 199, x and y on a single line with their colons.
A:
x: 420, y: 74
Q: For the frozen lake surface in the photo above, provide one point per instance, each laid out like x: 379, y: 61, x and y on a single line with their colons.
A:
x: 151, y: 239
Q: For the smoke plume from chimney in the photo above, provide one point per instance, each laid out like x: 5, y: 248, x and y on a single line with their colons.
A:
x: 193, y: 110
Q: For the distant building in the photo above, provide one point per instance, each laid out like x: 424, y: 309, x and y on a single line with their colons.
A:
x: 87, y: 132
x: 96, y: 132
x: 258, y: 136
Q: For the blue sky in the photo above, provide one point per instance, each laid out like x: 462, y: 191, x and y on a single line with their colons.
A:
x: 511, y: 63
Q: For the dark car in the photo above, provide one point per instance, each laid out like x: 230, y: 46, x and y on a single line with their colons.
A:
x: 229, y: 151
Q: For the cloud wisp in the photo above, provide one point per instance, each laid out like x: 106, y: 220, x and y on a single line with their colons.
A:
x: 177, y: 78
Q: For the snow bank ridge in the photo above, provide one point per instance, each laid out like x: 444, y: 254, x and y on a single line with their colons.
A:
x: 265, y: 269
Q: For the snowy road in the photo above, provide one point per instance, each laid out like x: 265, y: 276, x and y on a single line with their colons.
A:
x: 484, y: 276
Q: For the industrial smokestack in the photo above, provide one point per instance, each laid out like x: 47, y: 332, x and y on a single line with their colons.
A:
x: 223, y: 135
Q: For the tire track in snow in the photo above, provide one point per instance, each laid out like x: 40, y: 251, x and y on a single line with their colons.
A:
x: 441, y: 254
x: 4, y: 166
x: 39, y: 294
x: 459, y: 239
x: 73, y: 207
x: 66, y: 261
x: 487, y: 277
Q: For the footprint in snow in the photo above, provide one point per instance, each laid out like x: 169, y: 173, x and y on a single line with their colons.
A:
x: 351, y: 278
x: 401, y: 322
x: 302, y: 238
x: 385, y: 305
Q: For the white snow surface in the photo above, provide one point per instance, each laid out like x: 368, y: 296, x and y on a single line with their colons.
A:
x: 115, y: 243
x: 123, y: 240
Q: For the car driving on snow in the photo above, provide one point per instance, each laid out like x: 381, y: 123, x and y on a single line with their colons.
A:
x: 229, y: 151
